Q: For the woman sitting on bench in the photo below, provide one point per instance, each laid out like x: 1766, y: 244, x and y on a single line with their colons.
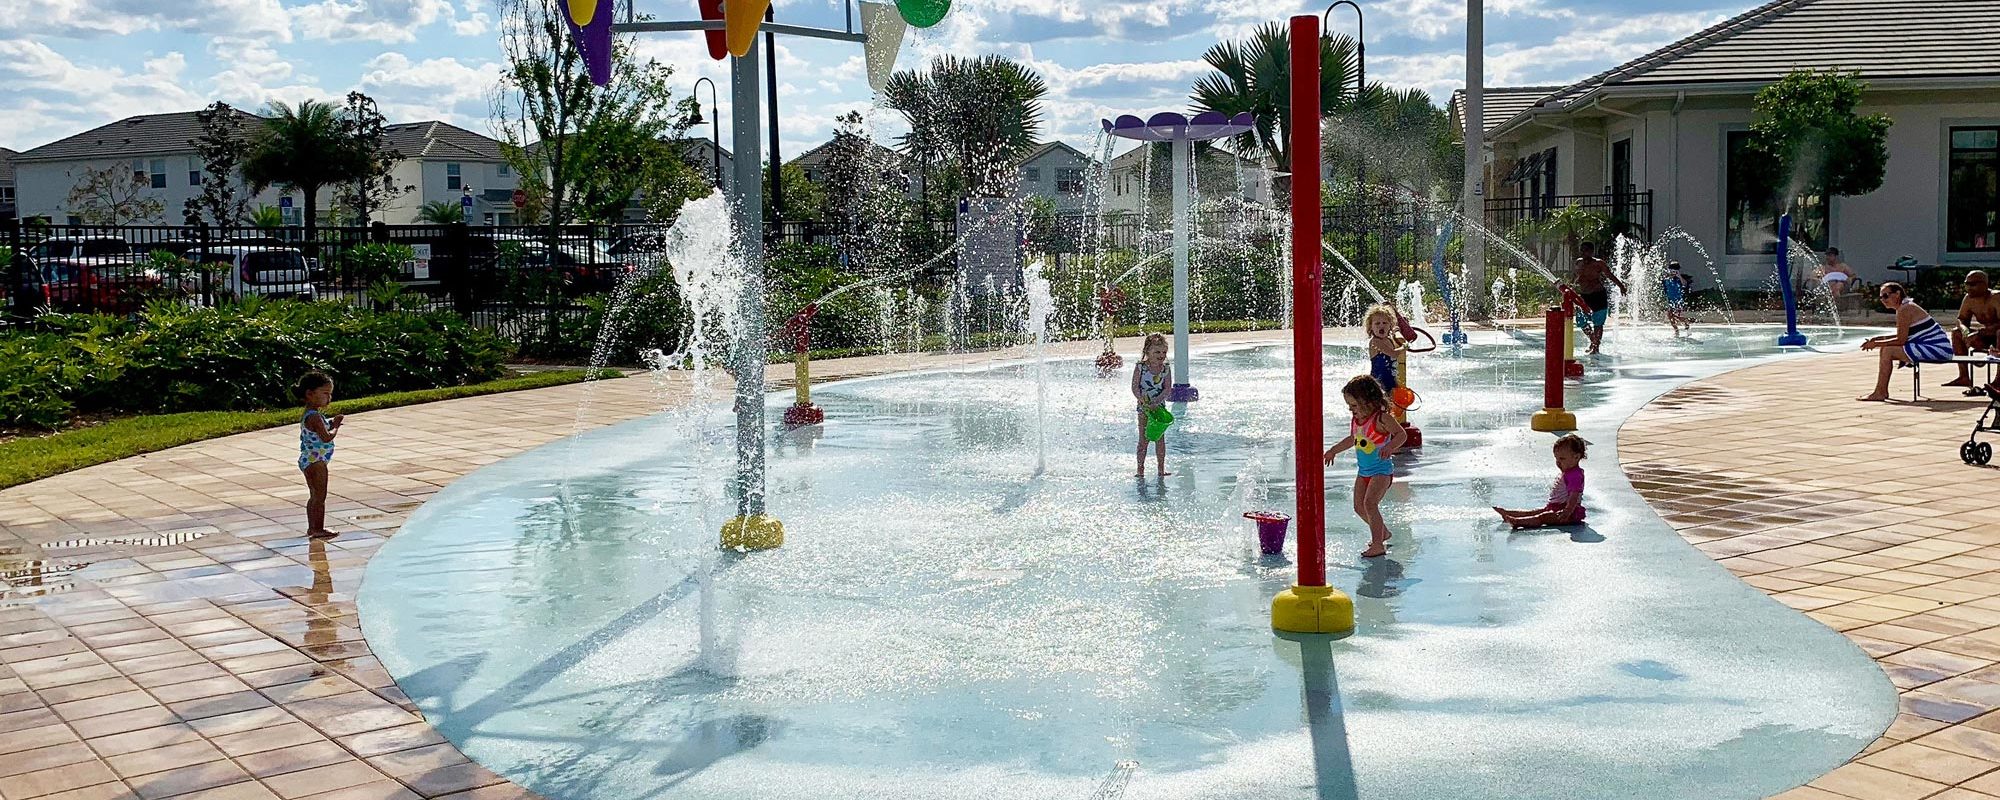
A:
x: 1918, y: 339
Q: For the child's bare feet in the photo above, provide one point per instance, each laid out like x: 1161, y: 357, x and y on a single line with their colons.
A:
x: 1872, y: 398
x: 1957, y: 382
x: 322, y: 534
x: 1375, y: 550
x: 1165, y: 474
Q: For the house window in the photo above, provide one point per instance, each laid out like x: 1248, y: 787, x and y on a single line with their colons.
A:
x: 7, y: 195
x: 139, y: 171
x: 1069, y: 181
x: 505, y: 170
x: 194, y: 177
x: 452, y: 177
x: 1752, y: 224
x: 159, y: 173
x: 1032, y: 174
x: 1972, y: 201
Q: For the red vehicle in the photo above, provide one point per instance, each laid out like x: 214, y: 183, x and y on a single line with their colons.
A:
x: 111, y: 288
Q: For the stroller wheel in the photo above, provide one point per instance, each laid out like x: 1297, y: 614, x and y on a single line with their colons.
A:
x: 1983, y: 454
x: 1968, y: 452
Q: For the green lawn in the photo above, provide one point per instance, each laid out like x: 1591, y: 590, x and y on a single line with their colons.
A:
x: 24, y: 460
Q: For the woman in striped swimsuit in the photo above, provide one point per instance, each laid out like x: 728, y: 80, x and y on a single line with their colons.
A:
x: 1918, y: 339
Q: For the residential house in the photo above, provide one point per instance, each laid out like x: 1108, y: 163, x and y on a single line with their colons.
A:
x: 449, y: 164
x: 813, y: 163
x: 1056, y: 171
x: 1651, y: 140
x: 1219, y: 174
x: 716, y: 163
x: 155, y: 146
x: 7, y: 183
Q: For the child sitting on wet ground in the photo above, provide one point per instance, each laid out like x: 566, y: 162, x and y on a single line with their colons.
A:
x: 1565, y: 496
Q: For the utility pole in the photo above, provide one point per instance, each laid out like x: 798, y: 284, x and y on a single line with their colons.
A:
x: 1475, y: 146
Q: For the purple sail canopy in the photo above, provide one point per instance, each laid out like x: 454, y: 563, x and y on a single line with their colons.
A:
x: 1167, y: 126
x: 590, y: 24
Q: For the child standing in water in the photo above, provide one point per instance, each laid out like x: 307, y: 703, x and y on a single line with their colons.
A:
x: 316, y: 433
x: 1150, y: 379
x: 1374, y: 435
x: 1675, y: 288
x: 1565, y: 497
x: 1383, y: 346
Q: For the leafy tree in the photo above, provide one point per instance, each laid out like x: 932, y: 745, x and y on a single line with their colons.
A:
x: 804, y: 200
x: 1811, y: 141
x: 113, y: 195
x: 372, y: 161
x: 866, y: 193
x: 441, y: 212
x: 583, y: 151
x: 222, y: 147
x: 1255, y: 75
x: 971, y: 122
x: 304, y: 148
x: 1397, y: 137
x: 267, y: 217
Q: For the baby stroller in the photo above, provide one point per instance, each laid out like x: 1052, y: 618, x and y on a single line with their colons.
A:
x: 1975, y: 452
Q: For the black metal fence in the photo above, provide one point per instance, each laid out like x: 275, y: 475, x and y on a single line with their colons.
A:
x: 1628, y: 212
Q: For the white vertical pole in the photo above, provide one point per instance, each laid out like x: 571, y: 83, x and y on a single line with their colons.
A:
x: 1183, y: 174
x: 744, y: 127
x: 1475, y: 145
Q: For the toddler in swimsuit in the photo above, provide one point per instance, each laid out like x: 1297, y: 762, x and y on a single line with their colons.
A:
x: 1374, y: 435
x: 1565, y: 496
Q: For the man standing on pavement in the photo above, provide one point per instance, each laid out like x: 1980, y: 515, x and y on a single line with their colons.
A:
x: 1591, y: 273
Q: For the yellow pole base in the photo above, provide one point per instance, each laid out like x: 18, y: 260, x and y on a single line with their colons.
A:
x: 1549, y: 420
x: 760, y: 532
x: 1312, y: 609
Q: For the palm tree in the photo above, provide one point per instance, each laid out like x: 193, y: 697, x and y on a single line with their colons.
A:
x: 971, y: 119
x: 268, y: 217
x: 303, y: 148
x: 441, y: 212
x: 1255, y: 76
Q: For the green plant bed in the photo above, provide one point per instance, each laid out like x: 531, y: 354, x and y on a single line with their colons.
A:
x: 30, y: 459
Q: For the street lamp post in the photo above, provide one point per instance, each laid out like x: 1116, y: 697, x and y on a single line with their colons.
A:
x: 715, y: 124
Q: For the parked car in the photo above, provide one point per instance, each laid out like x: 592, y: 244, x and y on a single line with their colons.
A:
x: 23, y: 277
x: 115, y: 288
x: 95, y: 250
x: 585, y: 264
x: 258, y: 271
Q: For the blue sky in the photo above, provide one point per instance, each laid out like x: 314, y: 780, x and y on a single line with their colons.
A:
x: 68, y: 65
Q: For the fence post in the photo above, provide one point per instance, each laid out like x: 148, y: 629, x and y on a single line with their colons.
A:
x: 455, y: 257
x: 200, y: 252
x: 17, y: 271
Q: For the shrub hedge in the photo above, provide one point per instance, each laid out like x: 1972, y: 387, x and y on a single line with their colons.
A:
x: 171, y: 358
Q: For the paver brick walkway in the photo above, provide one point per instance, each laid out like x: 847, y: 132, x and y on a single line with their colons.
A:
x: 166, y: 631
x: 1863, y: 517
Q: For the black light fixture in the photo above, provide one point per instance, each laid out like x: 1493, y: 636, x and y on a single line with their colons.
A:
x: 715, y: 125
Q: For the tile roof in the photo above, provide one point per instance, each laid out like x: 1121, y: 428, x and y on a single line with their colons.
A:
x: 440, y: 141
x: 1880, y: 39
x: 7, y: 165
x: 147, y: 134
x: 1499, y: 104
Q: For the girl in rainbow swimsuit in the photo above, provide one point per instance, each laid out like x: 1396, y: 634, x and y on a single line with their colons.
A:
x: 1374, y: 435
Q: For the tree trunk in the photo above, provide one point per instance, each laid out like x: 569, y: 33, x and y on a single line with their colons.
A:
x: 312, y: 219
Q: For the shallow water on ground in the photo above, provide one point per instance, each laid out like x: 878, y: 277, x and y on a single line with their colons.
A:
x: 945, y: 620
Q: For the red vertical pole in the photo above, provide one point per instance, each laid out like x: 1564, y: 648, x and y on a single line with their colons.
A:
x: 1306, y: 264
x: 1552, y: 369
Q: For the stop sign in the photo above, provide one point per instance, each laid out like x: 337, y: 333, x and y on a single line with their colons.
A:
x: 520, y: 198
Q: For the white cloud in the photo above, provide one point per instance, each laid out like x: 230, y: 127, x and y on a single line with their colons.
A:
x: 51, y: 97
x: 434, y: 88
x: 81, y: 19
x: 390, y: 21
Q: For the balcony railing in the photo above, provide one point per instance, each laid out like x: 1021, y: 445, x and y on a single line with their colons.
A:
x: 1630, y: 212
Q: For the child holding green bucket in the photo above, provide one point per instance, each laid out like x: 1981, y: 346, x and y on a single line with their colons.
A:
x: 1150, y: 379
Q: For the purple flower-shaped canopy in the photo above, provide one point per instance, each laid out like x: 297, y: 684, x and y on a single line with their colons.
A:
x: 1168, y: 125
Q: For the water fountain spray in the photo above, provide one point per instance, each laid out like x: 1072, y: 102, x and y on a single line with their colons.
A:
x: 1182, y: 131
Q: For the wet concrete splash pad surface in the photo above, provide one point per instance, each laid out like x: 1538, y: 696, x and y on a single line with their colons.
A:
x: 942, y: 620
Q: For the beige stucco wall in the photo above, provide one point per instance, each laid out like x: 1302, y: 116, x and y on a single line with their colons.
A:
x: 1679, y: 155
